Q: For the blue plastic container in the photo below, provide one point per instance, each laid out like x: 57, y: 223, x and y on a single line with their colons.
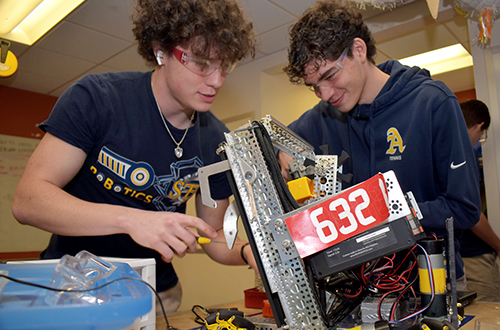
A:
x: 23, y: 307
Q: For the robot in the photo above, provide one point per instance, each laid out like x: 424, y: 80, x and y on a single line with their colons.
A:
x: 314, y: 242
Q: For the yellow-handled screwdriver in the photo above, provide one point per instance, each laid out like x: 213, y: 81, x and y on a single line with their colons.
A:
x: 206, y: 240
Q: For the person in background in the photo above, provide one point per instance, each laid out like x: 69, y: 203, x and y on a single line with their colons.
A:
x: 121, y: 151
x: 386, y: 117
x: 480, y: 246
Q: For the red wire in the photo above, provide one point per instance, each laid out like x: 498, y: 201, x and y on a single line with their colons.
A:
x: 387, y: 278
x: 357, y: 294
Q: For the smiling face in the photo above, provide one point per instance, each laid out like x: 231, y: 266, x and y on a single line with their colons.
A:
x: 346, y: 81
x: 338, y: 82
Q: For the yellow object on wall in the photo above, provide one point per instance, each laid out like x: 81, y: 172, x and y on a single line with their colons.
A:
x: 8, y: 61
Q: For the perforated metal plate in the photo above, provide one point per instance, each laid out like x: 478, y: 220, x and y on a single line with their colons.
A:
x: 286, y: 276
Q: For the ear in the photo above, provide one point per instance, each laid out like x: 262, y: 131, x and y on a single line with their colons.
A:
x: 359, y: 49
x: 477, y: 129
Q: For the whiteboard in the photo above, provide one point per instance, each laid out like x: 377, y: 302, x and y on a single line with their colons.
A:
x: 14, y: 237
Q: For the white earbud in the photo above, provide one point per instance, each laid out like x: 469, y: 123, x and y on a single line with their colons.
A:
x: 159, y: 55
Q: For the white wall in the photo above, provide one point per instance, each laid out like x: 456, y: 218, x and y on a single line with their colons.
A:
x: 260, y: 87
x: 487, y: 79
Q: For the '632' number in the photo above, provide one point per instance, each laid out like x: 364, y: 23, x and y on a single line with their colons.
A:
x: 345, y: 215
x: 340, y: 217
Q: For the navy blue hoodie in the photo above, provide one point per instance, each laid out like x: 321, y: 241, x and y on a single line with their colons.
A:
x: 415, y: 127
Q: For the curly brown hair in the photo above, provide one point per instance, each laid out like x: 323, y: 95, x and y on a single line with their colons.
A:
x: 205, y: 26
x: 323, y: 32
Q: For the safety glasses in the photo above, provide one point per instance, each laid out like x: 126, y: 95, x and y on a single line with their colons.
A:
x: 202, y: 66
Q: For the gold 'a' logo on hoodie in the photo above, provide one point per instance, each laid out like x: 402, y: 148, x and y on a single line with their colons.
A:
x: 395, y: 141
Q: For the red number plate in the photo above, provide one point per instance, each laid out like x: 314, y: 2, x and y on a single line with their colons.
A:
x: 340, y: 217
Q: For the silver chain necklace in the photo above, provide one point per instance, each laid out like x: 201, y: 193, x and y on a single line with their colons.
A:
x: 178, y: 151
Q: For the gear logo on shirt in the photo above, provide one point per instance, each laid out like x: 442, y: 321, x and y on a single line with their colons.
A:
x: 139, y: 176
x: 395, y: 143
x: 173, y: 189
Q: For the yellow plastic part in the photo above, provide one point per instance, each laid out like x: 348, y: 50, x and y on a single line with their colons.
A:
x: 223, y: 324
x: 301, y: 189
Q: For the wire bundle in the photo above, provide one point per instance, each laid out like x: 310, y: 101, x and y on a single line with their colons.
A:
x: 388, y: 276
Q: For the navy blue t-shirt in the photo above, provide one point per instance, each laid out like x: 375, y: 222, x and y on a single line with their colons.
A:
x: 114, y: 119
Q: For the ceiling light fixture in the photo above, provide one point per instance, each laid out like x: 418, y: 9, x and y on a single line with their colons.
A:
x: 441, y: 60
x: 27, y: 20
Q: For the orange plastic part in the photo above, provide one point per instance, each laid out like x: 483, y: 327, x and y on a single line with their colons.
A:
x: 266, y: 309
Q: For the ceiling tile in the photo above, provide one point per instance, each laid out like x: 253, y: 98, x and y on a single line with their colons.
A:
x: 83, y: 43
x: 265, y: 15
x: 274, y: 41
x: 98, y: 69
x: 128, y: 60
x: 97, y: 37
x: 294, y: 7
x: 59, y: 90
x: 258, y: 54
x: 108, y: 16
x: 27, y: 80
x: 50, y: 64
x: 102, y: 69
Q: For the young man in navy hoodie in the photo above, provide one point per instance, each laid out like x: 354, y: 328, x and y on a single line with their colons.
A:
x: 386, y: 117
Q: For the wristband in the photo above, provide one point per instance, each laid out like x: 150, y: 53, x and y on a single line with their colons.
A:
x: 241, y: 252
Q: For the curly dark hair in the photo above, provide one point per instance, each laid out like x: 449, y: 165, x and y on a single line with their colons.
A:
x: 323, y: 32
x: 205, y: 26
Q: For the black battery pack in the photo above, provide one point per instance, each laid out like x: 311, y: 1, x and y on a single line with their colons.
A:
x: 373, y: 243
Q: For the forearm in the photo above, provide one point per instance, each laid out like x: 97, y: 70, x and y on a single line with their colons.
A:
x: 41, y: 201
x: 169, y: 233
x: 220, y: 252
x: 58, y: 212
x: 217, y: 251
x: 465, y: 211
x: 484, y: 231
